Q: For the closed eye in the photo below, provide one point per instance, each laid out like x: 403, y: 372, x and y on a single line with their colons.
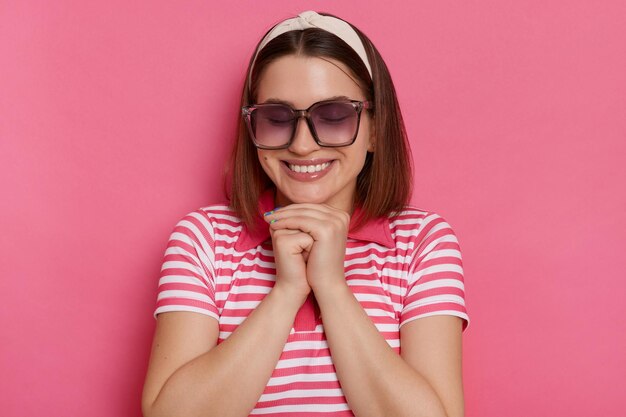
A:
x: 333, y: 119
x: 277, y: 121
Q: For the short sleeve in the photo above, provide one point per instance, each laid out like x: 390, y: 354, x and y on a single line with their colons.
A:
x: 435, y: 280
x: 187, y: 275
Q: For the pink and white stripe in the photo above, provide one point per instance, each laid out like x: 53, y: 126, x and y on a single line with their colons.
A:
x: 422, y: 275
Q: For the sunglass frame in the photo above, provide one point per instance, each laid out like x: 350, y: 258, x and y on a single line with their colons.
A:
x: 358, y: 106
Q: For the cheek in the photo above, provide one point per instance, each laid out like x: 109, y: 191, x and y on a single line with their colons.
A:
x: 264, y: 160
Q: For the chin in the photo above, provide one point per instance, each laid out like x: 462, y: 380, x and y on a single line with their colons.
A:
x: 305, y: 198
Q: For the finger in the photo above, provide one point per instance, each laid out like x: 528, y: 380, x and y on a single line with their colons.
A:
x: 282, y: 233
x: 319, y: 229
x: 295, y: 242
x: 312, y: 212
x: 278, y: 232
x: 299, y: 206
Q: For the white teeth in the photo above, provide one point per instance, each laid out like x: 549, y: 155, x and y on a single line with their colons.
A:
x: 309, y: 168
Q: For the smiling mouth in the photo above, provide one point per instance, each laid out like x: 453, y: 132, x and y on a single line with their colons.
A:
x: 310, y: 169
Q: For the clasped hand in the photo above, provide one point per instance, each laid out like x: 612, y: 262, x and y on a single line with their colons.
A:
x: 309, y: 243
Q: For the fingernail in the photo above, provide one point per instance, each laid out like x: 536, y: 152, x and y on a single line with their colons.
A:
x: 267, y: 213
x: 273, y: 221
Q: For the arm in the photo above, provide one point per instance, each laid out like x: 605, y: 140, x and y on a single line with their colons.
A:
x: 424, y: 381
x: 189, y: 375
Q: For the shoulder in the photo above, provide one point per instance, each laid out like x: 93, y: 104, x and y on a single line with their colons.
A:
x: 420, y: 228
x: 417, y: 220
x: 208, y: 220
x: 220, y: 215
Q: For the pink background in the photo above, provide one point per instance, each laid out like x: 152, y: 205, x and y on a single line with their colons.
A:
x: 116, y: 116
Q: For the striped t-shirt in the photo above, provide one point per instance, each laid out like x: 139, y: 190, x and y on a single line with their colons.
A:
x: 400, y: 268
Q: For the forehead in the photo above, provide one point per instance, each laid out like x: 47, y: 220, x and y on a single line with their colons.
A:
x: 302, y: 81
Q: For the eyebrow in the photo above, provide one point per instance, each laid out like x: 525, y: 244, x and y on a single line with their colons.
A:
x: 272, y: 100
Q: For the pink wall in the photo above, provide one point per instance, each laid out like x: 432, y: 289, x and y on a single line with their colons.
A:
x: 115, y: 118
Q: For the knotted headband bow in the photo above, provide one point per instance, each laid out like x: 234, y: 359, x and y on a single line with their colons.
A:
x: 310, y: 19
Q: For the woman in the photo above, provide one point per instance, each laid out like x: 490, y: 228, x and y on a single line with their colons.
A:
x: 317, y: 290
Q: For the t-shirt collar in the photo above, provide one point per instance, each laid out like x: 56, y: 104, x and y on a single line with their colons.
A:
x: 375, y: 231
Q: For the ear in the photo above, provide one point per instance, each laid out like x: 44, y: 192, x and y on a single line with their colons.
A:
x: 372, y: 138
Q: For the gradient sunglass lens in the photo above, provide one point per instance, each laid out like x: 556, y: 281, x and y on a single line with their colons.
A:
x: 332, y: 123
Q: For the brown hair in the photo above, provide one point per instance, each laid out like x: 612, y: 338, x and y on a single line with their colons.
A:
x: 384, y: 184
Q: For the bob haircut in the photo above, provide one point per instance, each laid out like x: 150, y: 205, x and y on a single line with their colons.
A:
x: 384, y: 183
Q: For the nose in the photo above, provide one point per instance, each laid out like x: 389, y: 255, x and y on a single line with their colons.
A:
x: 303, y: 142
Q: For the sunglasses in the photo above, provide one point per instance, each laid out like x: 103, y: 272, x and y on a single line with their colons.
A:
x: 332, y: 123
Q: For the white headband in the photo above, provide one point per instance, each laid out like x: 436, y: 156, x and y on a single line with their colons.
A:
x: 310, y: 19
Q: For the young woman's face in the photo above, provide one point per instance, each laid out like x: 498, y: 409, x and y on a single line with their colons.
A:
x: 300, y: 82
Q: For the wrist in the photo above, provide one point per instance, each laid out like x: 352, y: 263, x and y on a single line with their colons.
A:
x: 332, y: 290
x: 289, y: 299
